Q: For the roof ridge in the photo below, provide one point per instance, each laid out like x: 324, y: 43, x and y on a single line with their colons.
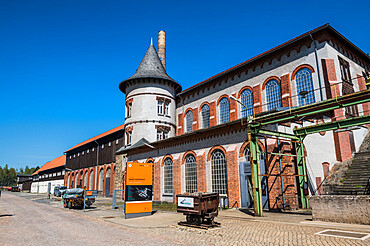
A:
x: 113, y: 130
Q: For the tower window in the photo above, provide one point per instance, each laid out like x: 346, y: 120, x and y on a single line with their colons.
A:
x: 160, y: 107
x: 129, y: 137
x: 166, y: 108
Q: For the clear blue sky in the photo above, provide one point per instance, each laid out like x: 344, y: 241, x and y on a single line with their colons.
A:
x: 61, y: 61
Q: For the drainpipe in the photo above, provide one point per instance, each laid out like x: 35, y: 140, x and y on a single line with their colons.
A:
x: 183, y: 116
x: 317, y: 67
x: 97, y: 162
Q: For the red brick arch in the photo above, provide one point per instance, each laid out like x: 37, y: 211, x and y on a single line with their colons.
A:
x: 300, y: 67
x: 244, y: 88
x: 150, y: 159
x: 187, y: 110
x: 220, y: 98
x: 186, y: 153
x: 204, y: 103
x: 165, y: 157
x: 268, y: 79
x: 215, y: 148
x: 246, y: 144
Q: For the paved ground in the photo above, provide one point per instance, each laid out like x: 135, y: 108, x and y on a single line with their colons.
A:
x: 45, y: 222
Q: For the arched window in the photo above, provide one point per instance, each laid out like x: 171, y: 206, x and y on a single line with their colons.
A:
x: 168, y: 178
x: 305, y: 90
x: 219, y: 177
x: 248, y: 157
x: 224, y: 110
x: 91, y: 180
x: 85, y: 179
x: 205, y: 116
x: 273, y: 94
x: 190, y: 174
x: 189, y: 121
x: 247, y: 100
x: 101, y: 178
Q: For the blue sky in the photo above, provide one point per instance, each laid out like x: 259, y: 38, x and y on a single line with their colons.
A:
x: 61, y: 61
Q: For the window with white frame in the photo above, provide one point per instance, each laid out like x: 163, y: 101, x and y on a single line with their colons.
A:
x: 102, y: 146
x: 166, y: 108
x: 128, y: 137
x: 224, y: 110
x: 128, y: 109
x: 247, y: 100
x: 160, y: 107
x: 165, y: 134
x: 189, y: 121
x: 273, y: 94
x: 93, y: 149
x: 159, y: 135
x: 78, y: 154
x: 83, y: 152
x: 168, y: 176
x: 305, y: 90
x: 190, y: 174
x: 109, y: 144
x: 88, y: 151
x: 219, y: 173
x: 117, y: 141
x: 205, y: 116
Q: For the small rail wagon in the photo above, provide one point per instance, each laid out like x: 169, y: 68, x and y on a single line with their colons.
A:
x: 73, y: 198
x: 199, y: 208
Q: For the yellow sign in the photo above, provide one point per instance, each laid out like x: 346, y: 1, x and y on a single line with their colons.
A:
x: 89, y: 193
x: 139, y: 173
x: 138, y: 207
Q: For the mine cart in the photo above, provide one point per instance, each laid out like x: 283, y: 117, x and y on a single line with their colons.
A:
x: 199, y: 207
x: 75, y: 198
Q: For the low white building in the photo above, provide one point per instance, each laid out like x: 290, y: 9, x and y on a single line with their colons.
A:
x: 49, y: 175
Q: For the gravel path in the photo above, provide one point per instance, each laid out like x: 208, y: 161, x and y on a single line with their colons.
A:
x: 23, y: 222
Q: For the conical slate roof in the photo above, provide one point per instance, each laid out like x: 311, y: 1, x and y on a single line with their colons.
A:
x: 150, y: 67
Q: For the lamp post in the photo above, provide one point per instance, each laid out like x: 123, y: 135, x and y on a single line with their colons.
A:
x: 233, y: 98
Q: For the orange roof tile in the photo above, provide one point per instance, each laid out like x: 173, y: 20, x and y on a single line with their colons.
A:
x: 97, y: 137
x: 57, y: 162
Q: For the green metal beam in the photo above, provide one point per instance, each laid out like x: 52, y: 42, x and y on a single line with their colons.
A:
x: 255, y: 168
x: 356, y: 121
x: 278, y: 134
x: 312, y: 109
x: 302, y: 178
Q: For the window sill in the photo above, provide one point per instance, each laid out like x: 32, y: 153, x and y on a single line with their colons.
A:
x: 167, y: 194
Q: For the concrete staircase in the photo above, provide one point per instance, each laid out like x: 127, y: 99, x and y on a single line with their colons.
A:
x: 357, y: 178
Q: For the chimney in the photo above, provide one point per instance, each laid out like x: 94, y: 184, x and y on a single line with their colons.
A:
x: 162, y: 47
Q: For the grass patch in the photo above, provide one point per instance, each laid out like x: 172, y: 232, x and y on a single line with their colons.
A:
x: 164, y: 206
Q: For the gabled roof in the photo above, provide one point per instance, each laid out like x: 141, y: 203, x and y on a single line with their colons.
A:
x: 277, y: 48
x: 116, y: 129
x: 150, y: 67
x: 141, y: 142
x: 57, y: 162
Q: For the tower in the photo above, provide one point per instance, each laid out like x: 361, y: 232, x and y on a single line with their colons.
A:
x: 150, y: 101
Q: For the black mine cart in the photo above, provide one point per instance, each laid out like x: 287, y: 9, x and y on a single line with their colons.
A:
x: 200, y: 208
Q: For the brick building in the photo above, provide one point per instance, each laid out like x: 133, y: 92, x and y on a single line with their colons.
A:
x: 195, y: 137
x: 91, y: 163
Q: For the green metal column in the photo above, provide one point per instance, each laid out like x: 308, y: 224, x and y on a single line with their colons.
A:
x: 255, y: 170
x: 302, y: 171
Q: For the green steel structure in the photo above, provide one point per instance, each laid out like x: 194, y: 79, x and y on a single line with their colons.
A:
x: 254, y: 128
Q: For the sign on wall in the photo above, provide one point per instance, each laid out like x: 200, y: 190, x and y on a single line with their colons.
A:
x: 139, y: 189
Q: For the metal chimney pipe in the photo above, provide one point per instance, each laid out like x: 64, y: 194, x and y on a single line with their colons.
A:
x: 162, y: 47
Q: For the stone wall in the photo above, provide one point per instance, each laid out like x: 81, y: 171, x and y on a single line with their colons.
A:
x: 342, y: 209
